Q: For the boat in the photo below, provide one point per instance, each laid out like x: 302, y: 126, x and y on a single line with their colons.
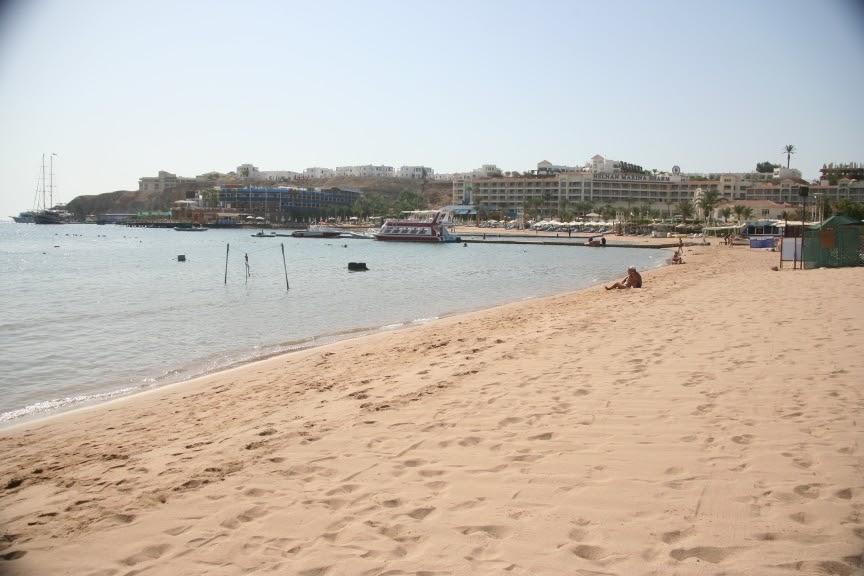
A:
x: 419, y: 226
x: 55, y: 215
x: 25, y: 217
x: 45, y: 215
x: 317, y: 232
x: 190, y: 228
x: 262, y: 234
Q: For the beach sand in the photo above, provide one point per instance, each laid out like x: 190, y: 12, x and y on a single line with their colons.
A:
x: 705, y: 424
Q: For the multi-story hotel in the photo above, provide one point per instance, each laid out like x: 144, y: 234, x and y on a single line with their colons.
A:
x: 608, y: 184
x: 603, y: 182
x: 283, y: 200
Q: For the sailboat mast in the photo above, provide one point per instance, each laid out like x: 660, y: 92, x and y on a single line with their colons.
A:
x: 43, y: 182
x: 51, y: 177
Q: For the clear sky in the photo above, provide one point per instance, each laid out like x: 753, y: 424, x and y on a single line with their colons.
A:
x: 120, y: 89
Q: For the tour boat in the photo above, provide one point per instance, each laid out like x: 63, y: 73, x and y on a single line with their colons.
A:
x: 420, y: 226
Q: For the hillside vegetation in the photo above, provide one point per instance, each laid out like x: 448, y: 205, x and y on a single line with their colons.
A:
x: 435, y: 194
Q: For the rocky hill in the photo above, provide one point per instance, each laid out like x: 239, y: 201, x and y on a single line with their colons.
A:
x: 436, y: 194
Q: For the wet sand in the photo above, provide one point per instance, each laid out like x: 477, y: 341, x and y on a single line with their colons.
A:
x: 708, y: 423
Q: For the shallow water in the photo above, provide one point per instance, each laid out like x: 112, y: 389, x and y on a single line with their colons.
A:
x: 91, y: 312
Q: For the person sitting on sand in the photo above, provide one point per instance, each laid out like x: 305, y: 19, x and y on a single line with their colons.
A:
x: 677, y: 259
x: 633, y: 280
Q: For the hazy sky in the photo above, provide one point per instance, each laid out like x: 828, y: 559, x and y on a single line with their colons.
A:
x: 121, y: 89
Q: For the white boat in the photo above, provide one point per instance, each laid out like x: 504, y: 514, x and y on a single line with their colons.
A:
x: 190, y: 228
x: 419, y: 226
x: 26, y: 217
x: 317, y: 232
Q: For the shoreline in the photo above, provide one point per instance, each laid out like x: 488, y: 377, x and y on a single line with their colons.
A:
x: 97, y: 399
x: 633, y: 431
x: 131, y: 392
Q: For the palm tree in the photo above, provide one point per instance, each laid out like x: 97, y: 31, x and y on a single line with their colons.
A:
x: 748, y: 213
x: 738, y: 209
x: 726, y: 212
x: 707, y: 202
x: 789, y: 149
x: 685, y: 208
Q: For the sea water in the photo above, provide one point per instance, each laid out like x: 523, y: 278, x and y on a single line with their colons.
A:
x: 92, y: 312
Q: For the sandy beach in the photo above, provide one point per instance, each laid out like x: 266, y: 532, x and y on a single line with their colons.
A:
x: 707, y: 423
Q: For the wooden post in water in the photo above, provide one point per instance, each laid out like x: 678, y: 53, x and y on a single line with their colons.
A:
x: 246, y: 255
x: 227, y: 248
x: 285, y: 267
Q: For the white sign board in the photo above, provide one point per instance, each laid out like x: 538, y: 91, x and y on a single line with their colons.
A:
x: 791, y: 249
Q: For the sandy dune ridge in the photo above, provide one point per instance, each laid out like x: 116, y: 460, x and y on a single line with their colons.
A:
x: 708, y: 423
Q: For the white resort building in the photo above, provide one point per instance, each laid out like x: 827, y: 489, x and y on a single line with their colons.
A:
x: 365, y: 171
x: 416, y: 172
x: 318, y: 173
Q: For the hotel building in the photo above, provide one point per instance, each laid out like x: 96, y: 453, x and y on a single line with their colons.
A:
x: 604, y: 182
x: 289, y: 202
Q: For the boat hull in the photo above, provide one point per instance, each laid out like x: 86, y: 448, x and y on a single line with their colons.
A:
x: 49, y: 217
x: 427, y: 240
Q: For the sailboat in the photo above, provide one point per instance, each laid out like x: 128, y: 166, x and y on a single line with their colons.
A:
x: 54, y: 214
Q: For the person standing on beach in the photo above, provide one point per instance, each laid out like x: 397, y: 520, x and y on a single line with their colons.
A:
x: 633, y: 280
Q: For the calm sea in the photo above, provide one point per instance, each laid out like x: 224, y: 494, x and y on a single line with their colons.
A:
x: 93, y: 312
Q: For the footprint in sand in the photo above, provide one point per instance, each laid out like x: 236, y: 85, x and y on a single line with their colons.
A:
x: 743, y: 439
x: 247, y: 516
x: 675, y: 535
x: 493, y: 531
x: 707, y: 553
x: 149, y: 553
x: 470, y: 441
x: 421, y: 513
x: 588, y: 552
x: 807, y: 490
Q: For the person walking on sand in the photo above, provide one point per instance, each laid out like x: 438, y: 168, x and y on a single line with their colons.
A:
x: 633, y: 280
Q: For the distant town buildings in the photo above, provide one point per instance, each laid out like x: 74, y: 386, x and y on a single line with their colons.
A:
x: 250, y: 172
x: 315, y: 173
x: 599, y: 182
x: 416, y: 172
x: 365, y: 171
x: 167, y: 182
x: 834, y: 172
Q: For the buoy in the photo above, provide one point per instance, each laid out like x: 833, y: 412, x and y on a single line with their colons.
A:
x: 181, y: 258
x: 357, y: 266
